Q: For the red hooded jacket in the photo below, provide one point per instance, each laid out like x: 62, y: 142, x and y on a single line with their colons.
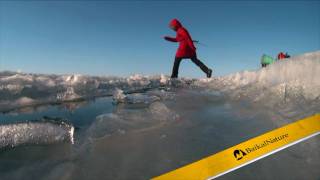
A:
x: 186, y: 47
x: 281, y: 55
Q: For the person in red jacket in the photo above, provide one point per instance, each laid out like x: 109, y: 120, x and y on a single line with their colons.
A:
x: 281, y: 55
x: 186, y: 49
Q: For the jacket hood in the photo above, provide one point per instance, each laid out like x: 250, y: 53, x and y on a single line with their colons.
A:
x: 175, y: 23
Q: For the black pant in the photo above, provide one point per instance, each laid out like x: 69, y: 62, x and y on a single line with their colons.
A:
x: 194, y: 59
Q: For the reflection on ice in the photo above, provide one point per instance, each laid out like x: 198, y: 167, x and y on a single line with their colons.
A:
x: 124, y: 120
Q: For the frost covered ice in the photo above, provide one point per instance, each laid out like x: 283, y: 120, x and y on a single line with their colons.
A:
x: 294, y: 79
x: 135, y: 98
x: 168, y: 122
x: 125, y: 120
x: 45, y: 131
x: 287, y: 87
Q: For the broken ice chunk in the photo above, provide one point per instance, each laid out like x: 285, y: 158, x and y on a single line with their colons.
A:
x: 118, y: 96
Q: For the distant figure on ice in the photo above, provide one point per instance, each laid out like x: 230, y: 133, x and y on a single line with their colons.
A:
x: 282, y: 56
x: 267, y: 60
x: 186, y: 49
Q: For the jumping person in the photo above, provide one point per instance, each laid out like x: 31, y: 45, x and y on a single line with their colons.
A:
x: 186, y: 49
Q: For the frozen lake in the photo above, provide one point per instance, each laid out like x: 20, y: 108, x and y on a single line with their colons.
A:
x: 143, y: 126
x: 143, y: 140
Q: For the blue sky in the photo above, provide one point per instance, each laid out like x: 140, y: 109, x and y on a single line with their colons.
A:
x: 126, y: 37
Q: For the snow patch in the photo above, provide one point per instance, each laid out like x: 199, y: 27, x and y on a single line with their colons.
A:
x: 18, y: 77
x: 118, y: 96
x: 294, y: 79
x: 69, y: 94
x: 24, y: 101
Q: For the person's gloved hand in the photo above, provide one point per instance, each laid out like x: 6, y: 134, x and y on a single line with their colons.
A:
x: 170, y: 39
x: 167, y: 38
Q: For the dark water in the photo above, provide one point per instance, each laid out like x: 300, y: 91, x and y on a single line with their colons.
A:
x: 140, y: 141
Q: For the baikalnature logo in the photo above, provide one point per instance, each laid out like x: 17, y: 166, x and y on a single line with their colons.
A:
x: 239, y: 154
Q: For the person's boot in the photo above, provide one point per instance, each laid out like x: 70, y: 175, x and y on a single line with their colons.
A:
x: 209, y: 73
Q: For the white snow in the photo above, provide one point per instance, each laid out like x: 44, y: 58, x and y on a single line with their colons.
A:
x: 73, y: 79
x: 24, y: 101
x: 305, y: 69
x: 11, y: 87
x: 118, y: 95
x: 217, y: 112
x: 293, y: 79
x: 21, y: 77
x: 46, y: 81
x: 138, y: 79
x: 163, y: 79
x: 69, y: 94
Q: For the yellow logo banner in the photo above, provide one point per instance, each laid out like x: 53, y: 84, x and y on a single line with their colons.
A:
x: 247, y: 152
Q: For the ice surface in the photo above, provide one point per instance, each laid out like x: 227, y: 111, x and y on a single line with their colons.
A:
x: 119, y: 96
x: 156, y: 124
x: 297, y: 75
x: 291, y: 81
x: 46, y: 131
x: 127, y: 120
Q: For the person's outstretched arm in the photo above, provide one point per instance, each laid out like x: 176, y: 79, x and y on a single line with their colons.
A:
x: 170, y: 39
